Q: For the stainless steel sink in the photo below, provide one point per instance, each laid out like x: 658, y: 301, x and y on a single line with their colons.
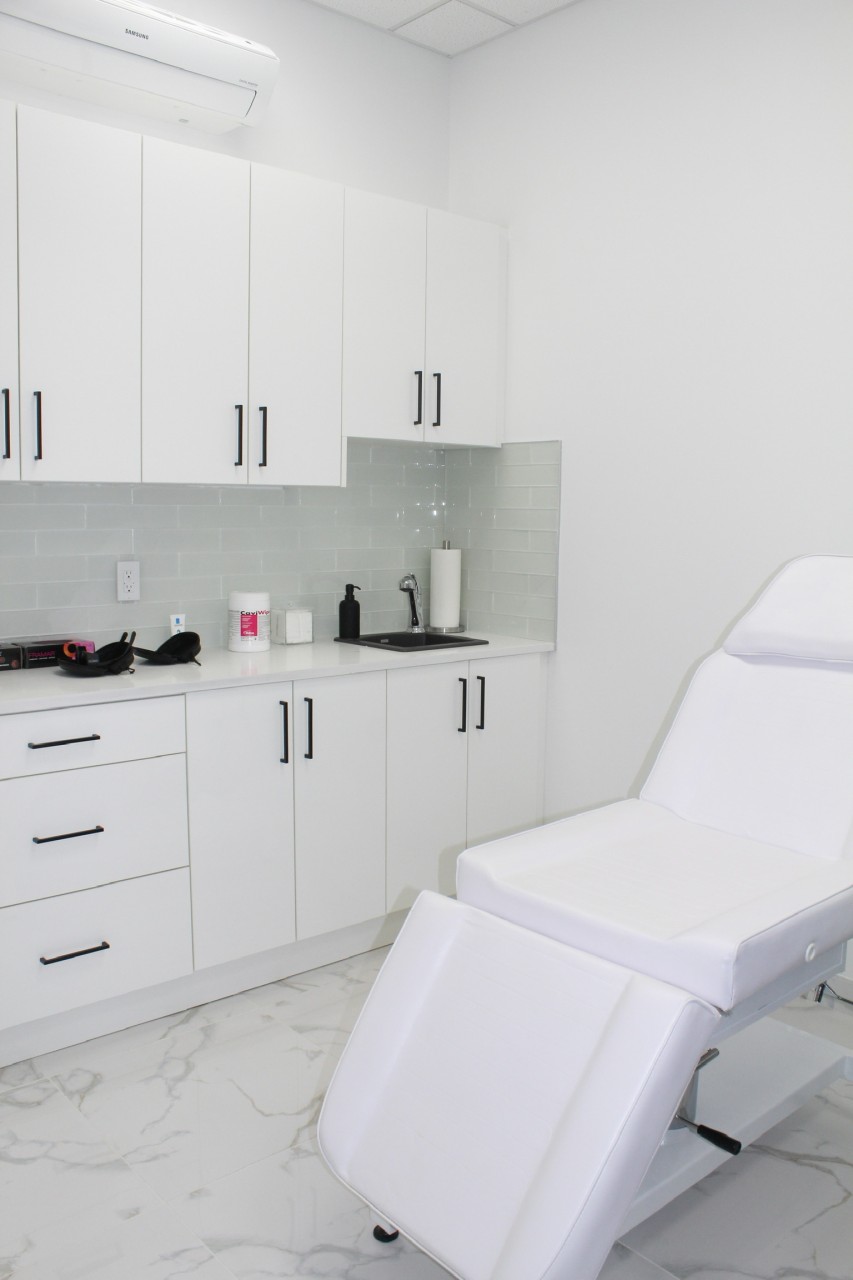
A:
x: 406, y: 641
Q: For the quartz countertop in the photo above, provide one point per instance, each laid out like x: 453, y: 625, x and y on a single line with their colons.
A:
x: 43, y: 688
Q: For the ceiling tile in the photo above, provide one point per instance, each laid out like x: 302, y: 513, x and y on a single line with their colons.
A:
x: 520, y: 11
x: 452, y: 28
x: 380, y: 13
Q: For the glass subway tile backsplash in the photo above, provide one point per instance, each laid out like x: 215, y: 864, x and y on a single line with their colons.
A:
x: 59, y: 544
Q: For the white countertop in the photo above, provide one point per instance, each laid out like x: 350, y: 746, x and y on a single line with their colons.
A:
x: 46, y: 687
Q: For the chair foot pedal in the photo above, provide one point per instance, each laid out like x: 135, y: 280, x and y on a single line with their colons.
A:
x: 383, y: 1236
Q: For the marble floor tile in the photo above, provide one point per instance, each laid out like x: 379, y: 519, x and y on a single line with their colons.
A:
x: 330, y: 1025
x: 151, y: 1048
x: 54, y: 1168
x: 150, y: 1245
x: 207, y: 1110
x: 294, y: 997
x: 288, y: 1216
x: 12, y: 1077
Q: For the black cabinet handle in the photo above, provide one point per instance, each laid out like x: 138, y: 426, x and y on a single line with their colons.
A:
x: 239, y: 461
x: 7, y: 424
x: 38, y: 452
x: 285, y: 731
x: 72, y: 955
x: 69, y: 835
x: 482, y: 722
x: 419, y: 374
x: 309, y: 754
x: 63, y: 742
x: 464, y: 725
x: 437, y: 377
x: 262, y: 410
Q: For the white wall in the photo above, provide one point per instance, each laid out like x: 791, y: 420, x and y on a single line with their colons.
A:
x: 351, y: 104
x: 677, y: 177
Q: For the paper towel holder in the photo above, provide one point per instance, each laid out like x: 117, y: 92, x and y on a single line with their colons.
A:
x: 445, y: 631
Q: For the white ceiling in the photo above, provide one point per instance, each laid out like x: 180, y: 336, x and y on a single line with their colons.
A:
x: 447, y: 26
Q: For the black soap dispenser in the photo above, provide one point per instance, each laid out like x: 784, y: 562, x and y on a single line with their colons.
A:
x: 349, y: 622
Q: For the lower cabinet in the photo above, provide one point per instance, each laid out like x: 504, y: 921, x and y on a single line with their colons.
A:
x: 465, y: 765
x: 94, y: 887
x: 286, y: 788
x: 240, y: 792
x: 313, y: 805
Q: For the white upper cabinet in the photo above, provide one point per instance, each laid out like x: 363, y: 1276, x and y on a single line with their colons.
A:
x: 384, y: 317
x: 10, y: 455
x: 195, y: 292
x: 297, y: 230
x: 79, y: 202
x: 423, y: 324
x: 465, y: 330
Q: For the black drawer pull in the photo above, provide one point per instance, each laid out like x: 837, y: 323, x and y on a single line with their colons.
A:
x: 69, y: 835
x: 72, y: 955
x: 463, y: 728
x: 285, y: 759
x: 482, y: 722
x: 63, y: 742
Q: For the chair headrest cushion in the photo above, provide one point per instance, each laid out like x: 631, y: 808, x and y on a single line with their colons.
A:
x: 805, y: 612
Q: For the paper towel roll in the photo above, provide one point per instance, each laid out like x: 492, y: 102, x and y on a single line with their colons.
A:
x: 445, y: 588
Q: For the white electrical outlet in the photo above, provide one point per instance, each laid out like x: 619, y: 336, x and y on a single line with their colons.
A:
x: 127, y: 580
x: 177, y: 623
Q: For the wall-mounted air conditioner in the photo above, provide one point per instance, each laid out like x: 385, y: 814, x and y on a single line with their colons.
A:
x: 131, y: 56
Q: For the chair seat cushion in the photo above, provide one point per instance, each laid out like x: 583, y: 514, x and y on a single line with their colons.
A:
x: 717, y: 914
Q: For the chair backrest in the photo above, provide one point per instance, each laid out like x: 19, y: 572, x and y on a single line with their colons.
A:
x: 762, y: 745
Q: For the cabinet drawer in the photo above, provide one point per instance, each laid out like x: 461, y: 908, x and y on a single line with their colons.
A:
x: 86, y: 827
x: 75, y: 737
x: 146, y: 923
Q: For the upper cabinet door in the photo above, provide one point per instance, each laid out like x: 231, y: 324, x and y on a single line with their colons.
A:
x: 384, y: 318
x: 465, y: 330
x: 10, y: 454
x: 297, y: 229
x: 195, y: 292
x: 79, y: 203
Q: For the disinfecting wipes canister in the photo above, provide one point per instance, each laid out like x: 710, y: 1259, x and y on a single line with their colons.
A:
x: 248, y: 621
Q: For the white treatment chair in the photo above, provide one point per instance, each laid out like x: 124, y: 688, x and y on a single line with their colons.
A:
x: 507, y: 1098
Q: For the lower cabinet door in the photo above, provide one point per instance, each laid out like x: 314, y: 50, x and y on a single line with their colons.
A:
x: 79, y: 948
x: 505, y: 746
x: 428, y: 723
x: 340, y: 801
x: 240, y: 786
